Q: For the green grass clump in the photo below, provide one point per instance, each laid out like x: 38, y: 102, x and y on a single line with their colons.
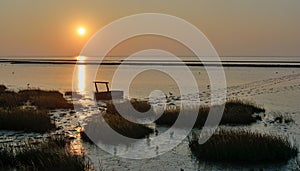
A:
x: 25, y: 120
x: 49, y: 155
x: 242, y: 146
x: 118, y: 124
x: 236, y: 112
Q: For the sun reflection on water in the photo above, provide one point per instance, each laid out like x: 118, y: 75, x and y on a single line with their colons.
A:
x: 76, y: 146
x: 81, y: 69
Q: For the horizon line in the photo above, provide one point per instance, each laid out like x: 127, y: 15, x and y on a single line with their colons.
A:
x: 153, y: 56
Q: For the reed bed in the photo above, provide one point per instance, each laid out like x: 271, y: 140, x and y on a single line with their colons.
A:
x: 53, y: 154
x: 42, y: 99
x: 2, y: 88
x: 101, y: 133
x: 243, y: 146
x: 45, y: 99
x: 236, y: 112
x: 10, y: 99
x: 26, y: 120
x: 139, y: 105
x: 17, y: 111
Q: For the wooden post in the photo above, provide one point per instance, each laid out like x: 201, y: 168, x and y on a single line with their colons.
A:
x: 107, y: 88
x: 96, y: 87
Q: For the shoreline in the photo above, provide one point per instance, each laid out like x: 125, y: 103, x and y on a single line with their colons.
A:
x: 264, y: 64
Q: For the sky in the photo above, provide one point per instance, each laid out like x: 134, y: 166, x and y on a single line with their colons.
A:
x: 234, y: 27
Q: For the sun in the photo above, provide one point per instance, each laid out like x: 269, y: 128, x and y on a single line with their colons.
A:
x: 81, y: 31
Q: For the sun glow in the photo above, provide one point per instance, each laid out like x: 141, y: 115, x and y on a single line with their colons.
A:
x: 80, y: 58
x: 81, y: 75
x: 81, y: 31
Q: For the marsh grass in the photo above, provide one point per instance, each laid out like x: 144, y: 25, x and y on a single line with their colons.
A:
x: 10, y: 99
x: 236, y: 112
x: 42, y: 99
x: 125, y: 127
x: 45, y: 99
x: 100, y: 131
x: 13, y: 116
x: 6, y: 156
x: 25, y: 120
x: 243, y: 146
x: 2, y: 88
x: 240, y: 112
x: 48, y: 155
x: 139, y: 105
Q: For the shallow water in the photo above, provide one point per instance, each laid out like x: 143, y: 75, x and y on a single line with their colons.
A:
x: 276, y: 89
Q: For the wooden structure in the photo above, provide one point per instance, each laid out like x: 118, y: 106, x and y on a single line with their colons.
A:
x: 107, y: 95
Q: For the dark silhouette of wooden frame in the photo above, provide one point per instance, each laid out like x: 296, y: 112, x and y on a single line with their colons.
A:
x: 108, y: 94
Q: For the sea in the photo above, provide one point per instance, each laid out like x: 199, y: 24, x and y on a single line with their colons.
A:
x: 272, y: 82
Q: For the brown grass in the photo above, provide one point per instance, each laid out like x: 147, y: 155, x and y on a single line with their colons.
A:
x: 25, y: 120
x: 2, y: 88
x: 54, y: 154
x: 236, y: 112
x: 124, y: 127
x: 139, y: 105
x: 40, y: 98
x: 9, y: 99
x: 243, y: 146
x: 45, y: 99
x: 13, y: 117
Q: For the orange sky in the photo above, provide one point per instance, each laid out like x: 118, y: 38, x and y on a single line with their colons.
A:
x: 235, y: 27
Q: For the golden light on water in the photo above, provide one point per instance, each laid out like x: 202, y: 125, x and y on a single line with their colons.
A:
x: 81, y: 75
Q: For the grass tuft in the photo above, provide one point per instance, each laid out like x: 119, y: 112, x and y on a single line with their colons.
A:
x: 116, y: 122
x: 2, y: 88
x: 139, y: 105
x: 26, y: 120
x: 14, y: 117
x: 236, y: 112
x: 240, y: 112
x: 45, y: 99
x: 10, y: 99
x: 242, y: 146
x: 40, y: 98
x: 49, y: 155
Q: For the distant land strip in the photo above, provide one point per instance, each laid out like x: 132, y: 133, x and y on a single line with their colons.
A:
x: 281, y: 64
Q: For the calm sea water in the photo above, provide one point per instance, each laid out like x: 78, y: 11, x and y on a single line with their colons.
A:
x: 66, y: 77
x: 275, y: 88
